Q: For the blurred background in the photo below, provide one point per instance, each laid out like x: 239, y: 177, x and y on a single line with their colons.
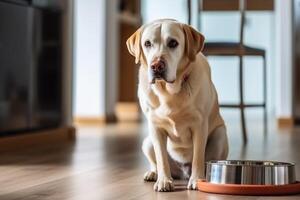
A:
x: 68, y: 86
x: 107, y: 68
x: 76, y: 49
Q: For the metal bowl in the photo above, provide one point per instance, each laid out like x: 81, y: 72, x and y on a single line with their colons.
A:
x: 250, y: 172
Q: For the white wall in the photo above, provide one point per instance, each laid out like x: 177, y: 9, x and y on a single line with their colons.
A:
x: 95, y: 59
x: 156, y: 9
x: 284, y: 62
x: 89, y: 58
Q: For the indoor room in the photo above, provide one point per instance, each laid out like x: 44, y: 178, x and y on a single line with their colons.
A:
x: 149, y: 99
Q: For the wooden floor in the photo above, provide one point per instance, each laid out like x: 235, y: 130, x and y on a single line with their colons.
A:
x: 107, y: 163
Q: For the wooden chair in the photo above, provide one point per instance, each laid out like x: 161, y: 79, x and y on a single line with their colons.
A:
x: 240, y: 50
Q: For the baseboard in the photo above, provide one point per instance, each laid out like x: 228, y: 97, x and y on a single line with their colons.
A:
x: 89, y: 120
x: 124, y: 111
x: 285, y: 122
x: 42, y: 137
x: 127, y: 111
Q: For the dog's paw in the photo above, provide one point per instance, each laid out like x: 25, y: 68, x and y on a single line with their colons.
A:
x: 192, y: 185
x: 164, y: 185
x: 150, y: 176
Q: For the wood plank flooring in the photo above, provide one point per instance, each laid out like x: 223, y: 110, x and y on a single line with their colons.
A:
x: 106, y: 162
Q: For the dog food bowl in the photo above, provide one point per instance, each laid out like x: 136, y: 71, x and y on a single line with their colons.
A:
x: 247, y: 177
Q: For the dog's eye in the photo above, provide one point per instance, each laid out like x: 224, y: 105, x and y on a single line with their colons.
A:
x: 147, y: 43
x: 172, y: 44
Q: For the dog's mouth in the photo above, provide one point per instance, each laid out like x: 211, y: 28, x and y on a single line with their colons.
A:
x: 160, y: 79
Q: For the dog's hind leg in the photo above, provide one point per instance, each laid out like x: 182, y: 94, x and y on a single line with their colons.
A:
x: 217, y: 145
x: 148, y: 150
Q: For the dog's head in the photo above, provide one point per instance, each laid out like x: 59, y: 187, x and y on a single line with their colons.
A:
x: 163, y: 46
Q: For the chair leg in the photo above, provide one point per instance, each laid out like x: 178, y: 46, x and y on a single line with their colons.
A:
x: 189, y: 8
x: 265, y: 95
x: 242, y: 107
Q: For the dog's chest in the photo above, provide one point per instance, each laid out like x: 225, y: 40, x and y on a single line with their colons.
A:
x: 175, y: 114
x: 177, y: 122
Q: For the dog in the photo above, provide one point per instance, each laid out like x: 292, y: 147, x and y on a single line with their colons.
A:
x: 180, y: 102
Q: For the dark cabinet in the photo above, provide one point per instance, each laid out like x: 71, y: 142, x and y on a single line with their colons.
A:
x: 30, y: 68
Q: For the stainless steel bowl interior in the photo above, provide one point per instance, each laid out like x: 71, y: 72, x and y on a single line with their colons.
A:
x: 251, y: 172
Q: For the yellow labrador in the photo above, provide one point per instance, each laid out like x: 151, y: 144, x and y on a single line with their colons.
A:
x: 180, y: 103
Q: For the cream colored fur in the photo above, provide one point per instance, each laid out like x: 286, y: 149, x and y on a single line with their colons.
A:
x: 185, y: 126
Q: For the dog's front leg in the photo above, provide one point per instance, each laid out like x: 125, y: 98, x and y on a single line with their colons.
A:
x: 164, y: 181
x: 199, y: 135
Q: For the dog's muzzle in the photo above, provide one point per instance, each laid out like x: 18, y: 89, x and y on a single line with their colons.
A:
x: 158, y: 70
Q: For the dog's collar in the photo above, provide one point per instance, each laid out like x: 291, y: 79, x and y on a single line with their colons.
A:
x: 185, y: 77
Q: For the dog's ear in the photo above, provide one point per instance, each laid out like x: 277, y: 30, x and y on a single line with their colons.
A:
x: 194, y: 41
x: 134, y: 45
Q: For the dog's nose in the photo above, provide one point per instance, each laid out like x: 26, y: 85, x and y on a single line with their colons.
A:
x: 158, y: 67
